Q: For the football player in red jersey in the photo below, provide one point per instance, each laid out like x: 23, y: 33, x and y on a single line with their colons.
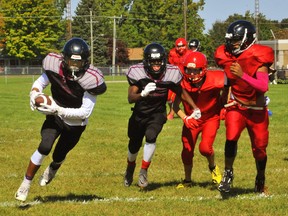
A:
x: 75, y: 85
x: 176, y: 57
x: 246, y: 65
x: 149, y: 83
x: 205, y: 87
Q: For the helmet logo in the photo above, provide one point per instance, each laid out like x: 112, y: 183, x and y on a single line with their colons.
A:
x: 76, y: 57
x: 155, y: 55
x: 228, y: 35
x: 191, y: 65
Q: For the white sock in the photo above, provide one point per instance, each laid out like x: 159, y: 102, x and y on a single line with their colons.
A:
x: 148, y: 151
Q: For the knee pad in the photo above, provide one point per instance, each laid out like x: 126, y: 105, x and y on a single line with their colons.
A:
x: 230, y: 148
x: 37, y: 158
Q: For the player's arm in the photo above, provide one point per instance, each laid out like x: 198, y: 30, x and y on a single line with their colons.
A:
x: 184, y: 95
x: 260, y: 83
x: 83, y: 112
x: 189, y: 121
x: 134, y: 95
x: 37, y: 89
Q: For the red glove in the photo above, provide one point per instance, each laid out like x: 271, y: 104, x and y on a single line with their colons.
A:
x: 190, y: 122
x: 222, y: 113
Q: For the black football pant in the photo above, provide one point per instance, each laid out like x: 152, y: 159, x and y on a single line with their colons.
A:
x: 52, y: 128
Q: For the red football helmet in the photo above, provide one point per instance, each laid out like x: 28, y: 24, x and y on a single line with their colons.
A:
x: 195, y: 67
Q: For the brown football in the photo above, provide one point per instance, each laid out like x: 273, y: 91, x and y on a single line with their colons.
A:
x: 42, y: 99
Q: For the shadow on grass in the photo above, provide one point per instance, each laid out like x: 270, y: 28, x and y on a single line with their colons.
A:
x: 234, y: 192
x: 155, y: 185
x: 68, y: 198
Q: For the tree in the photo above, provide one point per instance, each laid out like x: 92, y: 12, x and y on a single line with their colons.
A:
x: 32, y: 28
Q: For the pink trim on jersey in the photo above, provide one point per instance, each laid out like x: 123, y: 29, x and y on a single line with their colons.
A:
x: 260, y: 83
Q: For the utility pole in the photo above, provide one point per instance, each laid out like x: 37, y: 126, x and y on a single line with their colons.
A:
x: 69, y: 19
x: 256, y: 16
x: 114, y: 46
x: 185, y: 18
x: 91, y: 37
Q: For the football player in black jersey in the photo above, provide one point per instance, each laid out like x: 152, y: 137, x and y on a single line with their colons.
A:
x: 149, y: 83
x: 75, y: 85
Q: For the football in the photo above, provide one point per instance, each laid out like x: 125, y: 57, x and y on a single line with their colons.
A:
x: 42, y: 99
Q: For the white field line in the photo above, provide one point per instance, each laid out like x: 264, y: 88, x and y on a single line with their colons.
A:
x: 145, y: 199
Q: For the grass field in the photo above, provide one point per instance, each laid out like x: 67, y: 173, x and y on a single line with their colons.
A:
x: 90, y: 180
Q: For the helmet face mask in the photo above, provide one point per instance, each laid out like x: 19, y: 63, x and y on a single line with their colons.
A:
x: 195, y: 67
x: 240, y: 35
x: 154, y: 60
x: 75, y: 58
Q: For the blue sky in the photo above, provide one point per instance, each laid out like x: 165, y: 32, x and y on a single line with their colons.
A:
x: 220, y: 9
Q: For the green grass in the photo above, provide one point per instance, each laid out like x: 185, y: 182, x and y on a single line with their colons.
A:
x: 90, y: 180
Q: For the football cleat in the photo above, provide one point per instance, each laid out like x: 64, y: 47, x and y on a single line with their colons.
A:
x: 216, y: 175
x: 260, y: 185
x: 47, y: 176
x: 226, y: 182
x: 128, y: 176
x: 22, y: 192
x: 143, y: 179
x: 184, y: 184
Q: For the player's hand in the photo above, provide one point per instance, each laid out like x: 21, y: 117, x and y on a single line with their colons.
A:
x: 196, y: 113
x: 190, y: 122
x: 148, y: 88
x: 34, y: 94
x: 46, y: 109
x: 236, y: 69
x: 222, y: 113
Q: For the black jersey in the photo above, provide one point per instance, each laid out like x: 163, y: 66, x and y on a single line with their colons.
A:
x: 155, y: 101
x: 68, y: 93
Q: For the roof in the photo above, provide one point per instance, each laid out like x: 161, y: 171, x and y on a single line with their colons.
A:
x: 135, y: 54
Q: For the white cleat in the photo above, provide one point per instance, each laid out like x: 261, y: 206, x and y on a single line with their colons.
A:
x: 22, y: 192
x: 47, y: 176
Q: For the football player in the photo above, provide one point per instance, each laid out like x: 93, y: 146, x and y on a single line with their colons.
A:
x: 205, y: 87
x: 176, y: 57
x: 75, y: 85
x: 149, y: 83
x: 246, y: 65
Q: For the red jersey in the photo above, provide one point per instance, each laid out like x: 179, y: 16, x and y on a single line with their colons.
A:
x: 250, y: 60
x: 175, y: 58
x: 207, y: 96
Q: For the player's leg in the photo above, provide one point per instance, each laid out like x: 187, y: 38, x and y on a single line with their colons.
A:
x: 49, y: 133
x: 235, y: 124
x: 259, y: 135
x: 209, y: 131
x: 67, y: 141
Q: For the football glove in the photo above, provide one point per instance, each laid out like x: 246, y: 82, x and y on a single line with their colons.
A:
x: 196, y: 113
x: 148, y: 88
x: 190, y: 122
x: 34, y: 94
x: 46, y: 109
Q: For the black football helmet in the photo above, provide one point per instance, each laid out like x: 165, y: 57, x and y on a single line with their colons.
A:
x: 194, y: 44
x: 154, y: 54
x: 76, y: 55
x: 242, y: 32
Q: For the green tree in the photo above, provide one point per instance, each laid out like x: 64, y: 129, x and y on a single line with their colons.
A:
x: 32, y: 28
